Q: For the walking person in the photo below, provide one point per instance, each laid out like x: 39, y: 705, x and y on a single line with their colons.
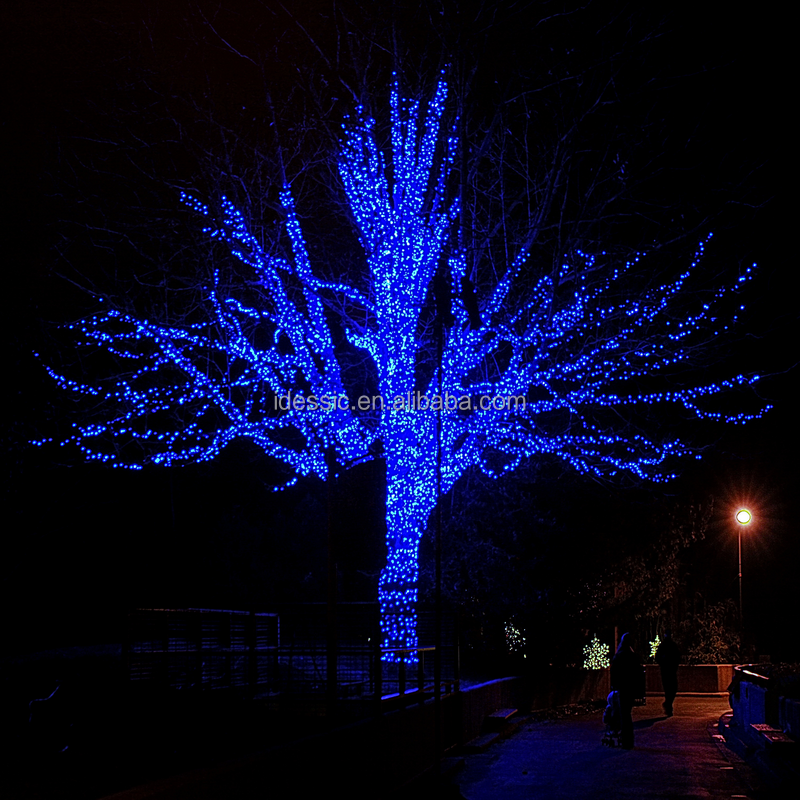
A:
x: 668, y: 657
x: 627, y: 677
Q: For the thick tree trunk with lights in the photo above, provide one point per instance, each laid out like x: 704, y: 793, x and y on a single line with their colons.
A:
x: 577, y: 362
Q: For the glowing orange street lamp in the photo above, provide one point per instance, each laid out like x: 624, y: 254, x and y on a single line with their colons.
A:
x: 743, y: 517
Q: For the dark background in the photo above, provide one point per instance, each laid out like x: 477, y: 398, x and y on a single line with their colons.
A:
x: 83, y: 544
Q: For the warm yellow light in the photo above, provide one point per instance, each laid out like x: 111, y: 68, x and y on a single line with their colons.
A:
x: 743, y: 516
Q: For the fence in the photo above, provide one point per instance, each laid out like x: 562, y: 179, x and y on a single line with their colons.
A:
x: 200, y: 648
x: 287, y: 656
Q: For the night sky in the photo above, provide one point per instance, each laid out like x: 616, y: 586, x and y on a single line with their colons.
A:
x: 83, y: 544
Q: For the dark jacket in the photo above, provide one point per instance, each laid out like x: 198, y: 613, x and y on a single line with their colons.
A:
x: 668, y: 656
x: 627, y: 673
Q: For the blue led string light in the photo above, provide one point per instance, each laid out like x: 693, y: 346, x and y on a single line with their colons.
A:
x: 573, y: 356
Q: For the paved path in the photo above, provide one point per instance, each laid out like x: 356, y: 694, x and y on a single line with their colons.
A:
x: 673, y: 757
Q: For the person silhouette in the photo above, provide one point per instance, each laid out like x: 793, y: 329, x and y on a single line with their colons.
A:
x: 627, y: 678
x: 668, y: 657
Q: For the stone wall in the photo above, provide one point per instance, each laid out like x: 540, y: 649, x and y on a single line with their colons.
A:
x: 693, y: 679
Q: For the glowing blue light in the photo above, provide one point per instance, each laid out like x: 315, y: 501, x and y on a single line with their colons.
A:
x: 575, y: 357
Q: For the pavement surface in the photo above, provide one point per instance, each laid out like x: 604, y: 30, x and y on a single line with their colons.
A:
x: 683, y: 756
x: 673, y: 757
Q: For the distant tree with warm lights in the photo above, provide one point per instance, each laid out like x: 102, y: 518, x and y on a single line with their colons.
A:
x: 596, y: 655
x: 654, y: 645
x: 499, y: 360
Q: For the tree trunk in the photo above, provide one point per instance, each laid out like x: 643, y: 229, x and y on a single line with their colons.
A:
x: 406, y: 516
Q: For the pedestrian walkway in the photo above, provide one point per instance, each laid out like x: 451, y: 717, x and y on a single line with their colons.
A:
x: 674, y: 757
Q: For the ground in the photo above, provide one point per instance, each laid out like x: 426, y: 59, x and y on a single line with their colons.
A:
x: 563, y: 758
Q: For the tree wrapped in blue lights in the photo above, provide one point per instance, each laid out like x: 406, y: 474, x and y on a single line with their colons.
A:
x: 536, y: 363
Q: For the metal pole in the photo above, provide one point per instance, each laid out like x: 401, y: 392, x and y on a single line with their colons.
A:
x: 378, y: 676
x: 741, y: 614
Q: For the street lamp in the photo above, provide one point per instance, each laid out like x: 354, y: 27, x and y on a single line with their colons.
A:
x: 743, y: 517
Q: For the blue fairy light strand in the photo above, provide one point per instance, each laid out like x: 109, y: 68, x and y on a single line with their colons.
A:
x: 573, y: 353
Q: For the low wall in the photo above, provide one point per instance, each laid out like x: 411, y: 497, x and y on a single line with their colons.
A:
x: 789, y: 715
x: 693, y: 679
x: 548, y: 688
x: 561, y: 687
x: 755, y: 700
x: 478, y: 701
x: 751, y: 705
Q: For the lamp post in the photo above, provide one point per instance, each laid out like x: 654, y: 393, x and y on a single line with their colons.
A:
x: 743, y: 517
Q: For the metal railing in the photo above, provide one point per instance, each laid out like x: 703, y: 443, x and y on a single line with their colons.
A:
x: 200, y: 648
x: 284, y: 657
